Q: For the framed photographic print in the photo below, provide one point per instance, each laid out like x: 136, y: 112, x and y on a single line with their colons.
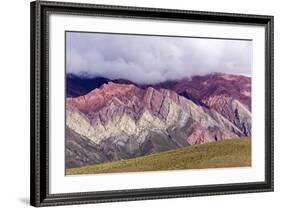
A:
x: 131, y: 103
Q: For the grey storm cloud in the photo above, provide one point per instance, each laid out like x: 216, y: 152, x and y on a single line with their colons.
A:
x: 152, y: 59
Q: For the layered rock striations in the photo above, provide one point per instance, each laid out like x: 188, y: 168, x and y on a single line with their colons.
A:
x: 123, y: 120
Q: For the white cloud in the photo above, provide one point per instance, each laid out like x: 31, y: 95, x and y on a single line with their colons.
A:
x: 152, y: 59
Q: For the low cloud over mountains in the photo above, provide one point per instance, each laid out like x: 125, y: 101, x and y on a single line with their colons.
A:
x: 153, y: 59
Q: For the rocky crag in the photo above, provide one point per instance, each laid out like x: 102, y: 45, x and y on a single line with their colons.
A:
x: 119, y: 120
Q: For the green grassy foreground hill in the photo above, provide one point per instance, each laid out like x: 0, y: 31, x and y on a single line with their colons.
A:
x: 227, y: 153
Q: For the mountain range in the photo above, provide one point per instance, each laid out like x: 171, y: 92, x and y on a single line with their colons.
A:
x: 109, y: 120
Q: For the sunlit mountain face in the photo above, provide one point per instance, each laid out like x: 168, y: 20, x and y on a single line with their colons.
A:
x: 130, y: 95
x: 109, y: 120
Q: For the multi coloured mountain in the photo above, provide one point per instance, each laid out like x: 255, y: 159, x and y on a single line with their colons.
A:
x: 109, y: 120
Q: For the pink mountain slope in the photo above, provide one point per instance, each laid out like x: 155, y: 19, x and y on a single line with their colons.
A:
x: 125, y: 120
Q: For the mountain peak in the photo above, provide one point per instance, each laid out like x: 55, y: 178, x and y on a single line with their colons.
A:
x: 124, y: 120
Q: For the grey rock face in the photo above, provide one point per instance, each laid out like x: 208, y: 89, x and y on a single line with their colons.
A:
x: 81, y: 150
x: 143, y: 122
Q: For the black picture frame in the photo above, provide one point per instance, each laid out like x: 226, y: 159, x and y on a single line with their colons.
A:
x: 39, y: 177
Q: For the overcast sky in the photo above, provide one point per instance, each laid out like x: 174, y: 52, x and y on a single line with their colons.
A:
x: 152, y: 59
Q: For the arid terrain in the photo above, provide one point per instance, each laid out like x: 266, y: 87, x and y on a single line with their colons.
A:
x: 112, y: 120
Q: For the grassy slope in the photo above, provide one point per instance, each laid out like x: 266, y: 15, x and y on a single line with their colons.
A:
x: 227, y: 153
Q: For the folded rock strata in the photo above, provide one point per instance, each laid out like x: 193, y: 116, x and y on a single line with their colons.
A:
x: 120, y: 121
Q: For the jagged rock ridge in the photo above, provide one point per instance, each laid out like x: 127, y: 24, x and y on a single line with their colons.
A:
x: 122, y: 120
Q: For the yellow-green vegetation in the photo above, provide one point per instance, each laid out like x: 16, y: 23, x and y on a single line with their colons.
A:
x: 227, y: 153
